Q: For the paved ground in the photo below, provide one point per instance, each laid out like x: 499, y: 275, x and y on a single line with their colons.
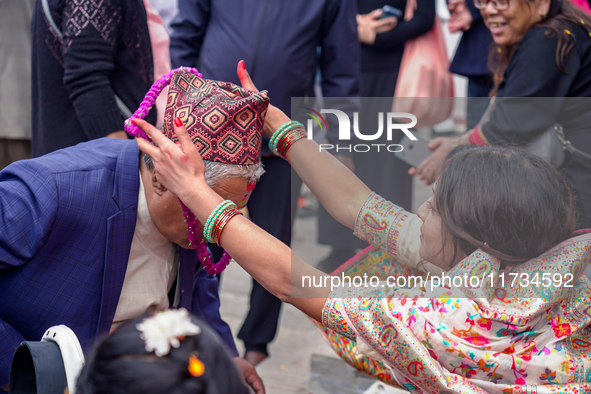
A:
x: 298, y: 344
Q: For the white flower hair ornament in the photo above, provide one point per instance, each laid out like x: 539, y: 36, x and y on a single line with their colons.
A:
x: 166, y: 329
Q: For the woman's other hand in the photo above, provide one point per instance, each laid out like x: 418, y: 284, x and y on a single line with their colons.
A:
x: 275, y: 118
x: 429, y: 168
x: 369, y: 25
x: 250, y: 375
x: 178, y: 168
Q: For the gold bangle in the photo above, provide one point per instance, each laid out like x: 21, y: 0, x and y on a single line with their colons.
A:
x: 224, y: 218
x: 288, y: 139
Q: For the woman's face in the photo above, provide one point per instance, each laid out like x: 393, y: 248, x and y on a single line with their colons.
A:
x: 435, y: 247
x: 509, y: 26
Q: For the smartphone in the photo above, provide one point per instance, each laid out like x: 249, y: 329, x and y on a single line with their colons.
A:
x: 390, y: 11
x: 414, y: 152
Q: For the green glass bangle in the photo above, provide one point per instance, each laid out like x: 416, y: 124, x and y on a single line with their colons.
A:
x: 213, y: 216
x: 273, y: 145
x: 215, y: 213
x: 280, y: 133
x: 208, y: 235
x: 276, y: 135
x: 281, y: 136
x: 277, y: 132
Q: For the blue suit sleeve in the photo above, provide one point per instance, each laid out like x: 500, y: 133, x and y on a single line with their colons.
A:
x: 533, y: 91
x: 189, y: 27
x: 340, y: 60
x: 28, y: 205
x: 10, y: 339
x: 206, y: 305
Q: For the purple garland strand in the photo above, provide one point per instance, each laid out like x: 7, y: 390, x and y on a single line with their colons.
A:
x: 135, y: 131
x: 199, y: 245
x: 149, y: 100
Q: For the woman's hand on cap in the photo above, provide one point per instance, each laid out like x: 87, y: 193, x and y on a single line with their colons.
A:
x: 178, y: 166
x: 275, y: 118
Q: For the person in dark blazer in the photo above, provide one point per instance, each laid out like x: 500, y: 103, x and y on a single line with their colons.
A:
x: 278, y: 41
x: 382, y: 41
x: 71, y: 223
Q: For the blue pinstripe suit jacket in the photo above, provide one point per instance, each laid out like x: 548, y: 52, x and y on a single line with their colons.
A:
x: 66, y: 224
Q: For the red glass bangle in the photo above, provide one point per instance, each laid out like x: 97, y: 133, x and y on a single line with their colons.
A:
x: 287, y: 140
x: 477, y: 138
x: 223, y: 219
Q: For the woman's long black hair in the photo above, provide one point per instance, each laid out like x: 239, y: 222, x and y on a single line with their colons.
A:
x: 504, y: 201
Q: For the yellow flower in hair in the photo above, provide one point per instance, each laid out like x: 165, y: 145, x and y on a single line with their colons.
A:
x: 567, y: 31
x: 196, y: 367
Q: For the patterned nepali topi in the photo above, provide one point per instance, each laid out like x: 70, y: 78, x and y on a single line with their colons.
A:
x: 224, y: 120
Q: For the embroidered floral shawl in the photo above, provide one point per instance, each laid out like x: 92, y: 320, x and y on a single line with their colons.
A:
x: 505, y: 340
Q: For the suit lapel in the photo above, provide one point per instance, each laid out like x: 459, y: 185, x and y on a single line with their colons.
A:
x: 120, y: 230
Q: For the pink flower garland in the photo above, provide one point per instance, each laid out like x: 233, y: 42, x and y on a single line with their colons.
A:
x: 199, y: 245
x: 133, y: 130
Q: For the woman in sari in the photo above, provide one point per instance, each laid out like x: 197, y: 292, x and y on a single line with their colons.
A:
x: 496, y: 214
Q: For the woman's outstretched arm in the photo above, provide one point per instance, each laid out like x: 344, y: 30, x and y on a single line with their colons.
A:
x: 339, y: 191
x: 265, y: 258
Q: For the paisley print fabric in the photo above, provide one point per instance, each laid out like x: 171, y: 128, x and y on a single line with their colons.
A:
x: 490, y: 339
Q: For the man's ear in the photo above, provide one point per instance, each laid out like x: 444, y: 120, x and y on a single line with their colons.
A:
x: 158, y: 188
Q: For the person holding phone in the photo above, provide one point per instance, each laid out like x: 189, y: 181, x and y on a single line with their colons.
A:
x: 281, y: 50
x: 381, y: 56
x: 382, y: 33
